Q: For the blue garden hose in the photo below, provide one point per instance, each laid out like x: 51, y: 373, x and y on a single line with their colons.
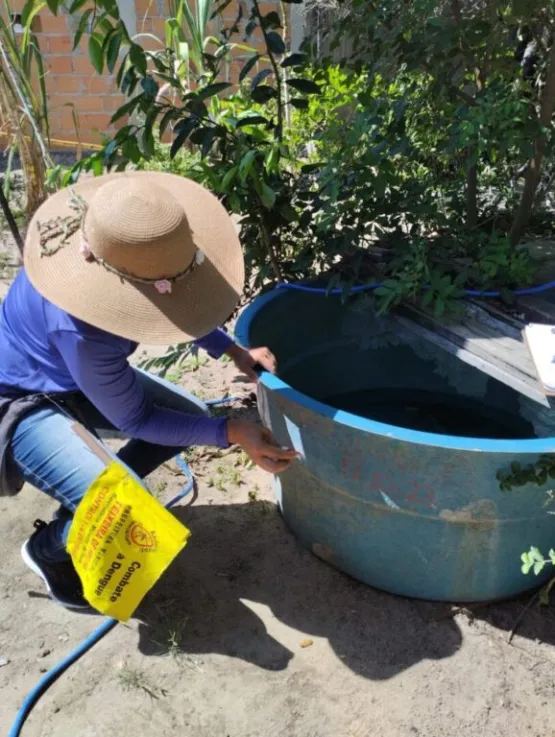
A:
x: 48, y: 679
x: 522, y: 292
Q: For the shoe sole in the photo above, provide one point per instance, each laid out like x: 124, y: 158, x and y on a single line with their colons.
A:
x: 30, y: 563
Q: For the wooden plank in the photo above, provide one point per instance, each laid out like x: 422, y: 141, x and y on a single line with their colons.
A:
x: 490, y: 336
x: 497, y: 342
x: 538, y: 308
x: 488, y: 340
x: 528, y: 386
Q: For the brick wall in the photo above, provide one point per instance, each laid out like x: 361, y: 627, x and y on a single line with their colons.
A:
x: 72, y: 83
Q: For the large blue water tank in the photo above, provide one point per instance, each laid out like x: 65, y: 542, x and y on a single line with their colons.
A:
x: 412, y: 512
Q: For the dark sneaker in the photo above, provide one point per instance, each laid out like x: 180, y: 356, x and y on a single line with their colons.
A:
x: 61, y: 579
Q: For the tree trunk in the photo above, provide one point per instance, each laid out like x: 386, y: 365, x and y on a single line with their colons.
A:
x: 532, y: 178
x: 472, y: 197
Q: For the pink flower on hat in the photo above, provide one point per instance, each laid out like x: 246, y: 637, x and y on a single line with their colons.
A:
x: 163, y: 286
x: 85, y: 250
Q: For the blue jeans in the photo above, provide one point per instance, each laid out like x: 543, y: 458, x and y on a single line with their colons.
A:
x: 61, y: 460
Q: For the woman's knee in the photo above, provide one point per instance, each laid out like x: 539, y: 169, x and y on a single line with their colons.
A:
x: 58, y: 456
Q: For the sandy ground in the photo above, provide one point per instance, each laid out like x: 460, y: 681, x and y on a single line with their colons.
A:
x: 249, y: 635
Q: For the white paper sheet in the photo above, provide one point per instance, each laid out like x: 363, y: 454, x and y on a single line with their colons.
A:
x: 540, y: 340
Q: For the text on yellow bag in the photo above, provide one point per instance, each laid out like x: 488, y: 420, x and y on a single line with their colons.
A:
x: 121, y: 540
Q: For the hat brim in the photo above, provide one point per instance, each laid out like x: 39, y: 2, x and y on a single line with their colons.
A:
x: 198, y: 303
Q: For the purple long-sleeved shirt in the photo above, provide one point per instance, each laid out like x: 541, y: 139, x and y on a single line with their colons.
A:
x: 43, y: 349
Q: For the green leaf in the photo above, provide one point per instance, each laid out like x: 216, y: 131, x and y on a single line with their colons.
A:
x: 248, y: 66
x: 208, y: 141
x: 76, y: 5
x: 121, y: 72
x: 268, y: 196
x: 229, y: 177
x: 166, y: 120
x: 81, y: 27
x: 137, y: 58
x: 309, y: 168
x: 251, y: 120
x: 288, y: 212
x: 129, y: 81
x: 264, y: 93
x: 272, y: 160
x: 95, y: 53
x: 383, y: 291
x: 539, y: 566
x: 198, y: 135
x: 126, y: 109
x: 299, y: 102
x: 112, y: 52
x: 332, y: 284
x: 305, y: 219
x: 246, y: 164
x: 53, y: 6
x: 197, y: 108
x: 148, y: 134
x: 182, y: 131
x: 439, y: 308
x: 526, y: 568
x: 173, y: 81
x: 535, y: 554
x: 260, y: 77
x: 28, y: 13
x: 293, y: 60
x: 52, y: 176
x: 271, y: 20
x: 130, y: 150
x: 250, y: 27
x: 150, y: 87
x: 275, y: 43
x: 212, y: 89
x: 306, y: 86
x: 220, y: 8
x: 111, y: 148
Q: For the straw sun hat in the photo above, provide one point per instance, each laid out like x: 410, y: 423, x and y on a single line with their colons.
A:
x: 148, y: 256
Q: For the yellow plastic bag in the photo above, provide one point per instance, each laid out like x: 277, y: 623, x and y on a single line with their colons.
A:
x: 121, y: 540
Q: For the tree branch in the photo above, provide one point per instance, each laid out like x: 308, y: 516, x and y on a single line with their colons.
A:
x: 273, y: 62
x: 287, y: 42
x: 267, y: 240
x: 532, y: 179
x: 472, y: 197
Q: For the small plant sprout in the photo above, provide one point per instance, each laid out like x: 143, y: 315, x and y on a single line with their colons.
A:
x: 169, y: 633
x: 133, y: 679
x: 225, y: 476
x: 160, y: 488
x: 534, y: 560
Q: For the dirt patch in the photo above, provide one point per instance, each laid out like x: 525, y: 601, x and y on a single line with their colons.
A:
x: 250, y: 635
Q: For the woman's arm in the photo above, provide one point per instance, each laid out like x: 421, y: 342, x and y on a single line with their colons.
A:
x: 101, y: 371
x: 215, y: 343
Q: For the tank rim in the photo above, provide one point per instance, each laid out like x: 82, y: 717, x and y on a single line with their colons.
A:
x: 533, y: 446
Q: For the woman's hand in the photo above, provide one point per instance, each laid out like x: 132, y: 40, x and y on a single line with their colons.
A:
x: 260, y: 445
x: 246, y: 360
